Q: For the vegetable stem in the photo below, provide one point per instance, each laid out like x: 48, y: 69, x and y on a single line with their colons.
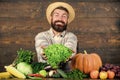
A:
x: 85, y: 51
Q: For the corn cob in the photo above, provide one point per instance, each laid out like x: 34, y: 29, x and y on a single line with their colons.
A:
x: 5, y: 75
x: 15, y: 72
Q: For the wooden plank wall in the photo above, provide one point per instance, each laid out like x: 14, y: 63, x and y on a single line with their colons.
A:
x: 97, y: 26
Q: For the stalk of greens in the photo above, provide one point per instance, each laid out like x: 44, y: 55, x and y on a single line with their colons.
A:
x: 56, y: 54
x: 71, y: 75
x: 76, y: 75
x: 23, y: 56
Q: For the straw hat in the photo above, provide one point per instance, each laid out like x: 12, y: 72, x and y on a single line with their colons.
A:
x: 54, y: 5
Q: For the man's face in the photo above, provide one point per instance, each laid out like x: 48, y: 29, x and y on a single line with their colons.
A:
x: 59, y: 20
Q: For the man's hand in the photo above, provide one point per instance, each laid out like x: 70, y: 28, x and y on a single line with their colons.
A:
x: 44, y: 56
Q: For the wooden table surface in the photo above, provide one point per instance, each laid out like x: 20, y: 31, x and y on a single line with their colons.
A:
x: 51, y: 79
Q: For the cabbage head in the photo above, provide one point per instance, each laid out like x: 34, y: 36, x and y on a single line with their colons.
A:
x: 24, y: 67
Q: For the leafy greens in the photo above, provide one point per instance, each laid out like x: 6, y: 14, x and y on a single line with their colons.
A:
x: 57, y: 53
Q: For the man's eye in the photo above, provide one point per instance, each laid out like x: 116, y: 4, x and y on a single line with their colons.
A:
x: 65, y: 16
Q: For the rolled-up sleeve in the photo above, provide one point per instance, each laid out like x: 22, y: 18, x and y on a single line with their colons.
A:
x: 71, y: 42
x: 40, y: 41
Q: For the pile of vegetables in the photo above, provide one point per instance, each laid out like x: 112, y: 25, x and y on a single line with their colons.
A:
x: 21, y: 66
x: 56, y: 54
x: 23, y: 61
x: 83, y: 65
x: 24, y: 66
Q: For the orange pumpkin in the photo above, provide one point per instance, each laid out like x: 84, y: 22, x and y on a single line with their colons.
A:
x: 86, y: 62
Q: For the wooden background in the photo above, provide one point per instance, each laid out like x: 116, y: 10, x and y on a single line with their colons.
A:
x: 97, y: 26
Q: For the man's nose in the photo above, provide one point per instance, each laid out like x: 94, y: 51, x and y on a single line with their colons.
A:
x: 60, y: 18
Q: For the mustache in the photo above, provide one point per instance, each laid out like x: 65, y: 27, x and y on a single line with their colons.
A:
x: 59, y: 21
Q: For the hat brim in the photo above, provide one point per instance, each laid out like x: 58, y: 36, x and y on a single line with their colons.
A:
x: 54, y: 5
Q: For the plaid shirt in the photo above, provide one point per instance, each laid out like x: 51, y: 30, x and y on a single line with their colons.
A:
x: 47, y: 38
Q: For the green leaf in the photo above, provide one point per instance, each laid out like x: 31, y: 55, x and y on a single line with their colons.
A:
x: 62, y: 73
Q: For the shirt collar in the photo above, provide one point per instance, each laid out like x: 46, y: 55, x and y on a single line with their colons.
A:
x: 52, y: 34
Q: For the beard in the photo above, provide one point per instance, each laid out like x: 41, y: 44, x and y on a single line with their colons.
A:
x: 58, y: 27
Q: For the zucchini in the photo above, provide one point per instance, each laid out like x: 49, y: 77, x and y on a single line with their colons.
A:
x: 62, y: 73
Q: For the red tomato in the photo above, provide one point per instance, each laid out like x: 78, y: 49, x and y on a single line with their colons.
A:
x: 94, y: 74
x: 111, y: 74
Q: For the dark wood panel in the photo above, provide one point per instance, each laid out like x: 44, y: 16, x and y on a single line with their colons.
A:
x: 91, y: 40
x: 60, y: 0
x: 21, y: 9
x: 83, y: 9
x: 95, y: 9
x: 95, y: 25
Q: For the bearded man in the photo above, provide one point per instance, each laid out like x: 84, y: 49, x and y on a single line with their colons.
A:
x: 59, y: 15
